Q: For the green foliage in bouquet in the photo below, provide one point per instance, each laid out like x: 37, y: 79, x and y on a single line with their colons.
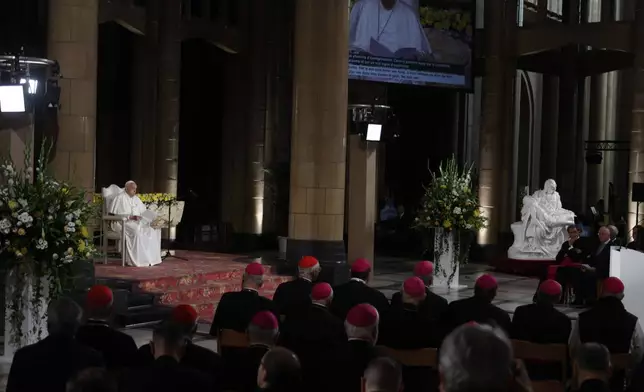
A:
x: 42, y: 232
x: 450, y: 209
x: 449, y: 201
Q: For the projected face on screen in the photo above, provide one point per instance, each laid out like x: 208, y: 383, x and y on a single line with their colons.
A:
x: 397, y: 41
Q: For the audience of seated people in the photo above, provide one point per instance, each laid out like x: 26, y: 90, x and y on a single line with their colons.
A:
x: 320, y: 351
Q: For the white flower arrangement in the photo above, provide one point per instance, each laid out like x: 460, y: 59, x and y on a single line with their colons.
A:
x: 40, y: 219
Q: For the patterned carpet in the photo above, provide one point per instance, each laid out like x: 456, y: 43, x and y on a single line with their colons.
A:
x: 200, y: 281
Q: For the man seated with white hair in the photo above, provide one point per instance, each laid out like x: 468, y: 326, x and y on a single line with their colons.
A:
x: 142, y: 243
x: 361, y: 326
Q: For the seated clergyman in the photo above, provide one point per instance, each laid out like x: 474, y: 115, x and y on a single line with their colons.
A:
x: 142, y: 242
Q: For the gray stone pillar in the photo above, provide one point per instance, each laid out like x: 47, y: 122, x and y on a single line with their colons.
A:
x: 496, y: 132
x: 318, y: 139
x: 73, y: 42
x: 636, y: 170
x: 167, y: 108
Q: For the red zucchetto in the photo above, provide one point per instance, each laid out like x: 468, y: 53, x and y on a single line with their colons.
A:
x: 308, y: 262
x: 255, y: 269
x: 360, y: 266
x: 550, y: 287
x: 264, y: 320
x: 414, y: 287
x: 363, y: 316
x: 321, y: 291
x: 184, y: 314
x: 486, y: 282
x: 613, y: 286
x: 424, y: 268
x: 99, y: 297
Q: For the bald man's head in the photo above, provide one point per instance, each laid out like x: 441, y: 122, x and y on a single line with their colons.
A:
x: 476, y: 358
x: 280, y: 368
x: 383, y: 375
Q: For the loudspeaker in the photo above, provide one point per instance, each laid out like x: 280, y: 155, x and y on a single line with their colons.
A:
x: 638, y: 192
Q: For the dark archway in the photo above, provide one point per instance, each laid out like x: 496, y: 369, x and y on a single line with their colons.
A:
x: 114, y: 104
x: 200, y: 134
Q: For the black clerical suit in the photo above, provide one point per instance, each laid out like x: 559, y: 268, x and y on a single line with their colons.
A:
x: 356, y: 292
x: 541, y: 323
x: 316, y: 336
x: 608, y: 323
x: 477, y: 309
x: 433, y: 306
x: 118, y: 349
x: 291, y: 297
x: 49, y: 364
x: 195, y: 357
x: 236, y: 309
x: 356, y: 356
x: 599, y: 259
x: 407, y: 327
x: 166, y: 374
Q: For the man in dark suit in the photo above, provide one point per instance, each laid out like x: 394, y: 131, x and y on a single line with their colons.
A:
x: 263, y: 332
x: 596, y: 267
x: 118, y: 349
x: 356, y: 292
x: 478, y: 308
x: 361, y: 327
x: 166, y: 373
x: 542, y: 323
x: 195, y: 357
x: 57, y: 358
x: 404, y: 326
x: 434, y: 305
x: 291, y: 297
x: 633, y: 245
x: 316, y: 336
x: 236, y: 309
x: 609, y: 323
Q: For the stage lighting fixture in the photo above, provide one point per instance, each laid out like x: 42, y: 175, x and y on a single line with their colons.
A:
x: 374, y: 131
x: 33, y: 85
x: 12, y: 99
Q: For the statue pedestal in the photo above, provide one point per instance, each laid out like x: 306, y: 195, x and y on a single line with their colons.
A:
x: 34, y: 324
x: 446, y: 263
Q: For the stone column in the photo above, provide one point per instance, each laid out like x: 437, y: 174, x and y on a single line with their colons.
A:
x: 362, y: 193
x: 636, y: 170
x: 495, y: 161
x: 73, y: 41
x: 320, y: 83
x: 169, y: 68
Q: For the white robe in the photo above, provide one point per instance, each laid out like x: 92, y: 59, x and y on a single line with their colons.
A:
x: 142, y: 242
x: 372, y: 25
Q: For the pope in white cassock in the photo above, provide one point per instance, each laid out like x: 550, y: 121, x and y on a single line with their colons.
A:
x: 387, y: 28
x: 142, y: 242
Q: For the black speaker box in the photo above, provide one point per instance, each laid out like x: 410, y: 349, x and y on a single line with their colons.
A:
x: 638, y: 192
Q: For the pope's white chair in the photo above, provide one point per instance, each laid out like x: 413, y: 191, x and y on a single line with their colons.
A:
x: 107, y: 233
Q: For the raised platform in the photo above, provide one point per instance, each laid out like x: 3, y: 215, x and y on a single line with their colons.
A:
x: 200, y: 281
x: 524, y: 267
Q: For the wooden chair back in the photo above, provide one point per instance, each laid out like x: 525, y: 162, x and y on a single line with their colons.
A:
x: 542, y: 352
x: 231, y: 338
x: 424, y: 357
x: 548, y: 386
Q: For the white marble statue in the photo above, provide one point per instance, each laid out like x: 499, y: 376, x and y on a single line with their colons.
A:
x: 542, y: 228
x: 142, y: 242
